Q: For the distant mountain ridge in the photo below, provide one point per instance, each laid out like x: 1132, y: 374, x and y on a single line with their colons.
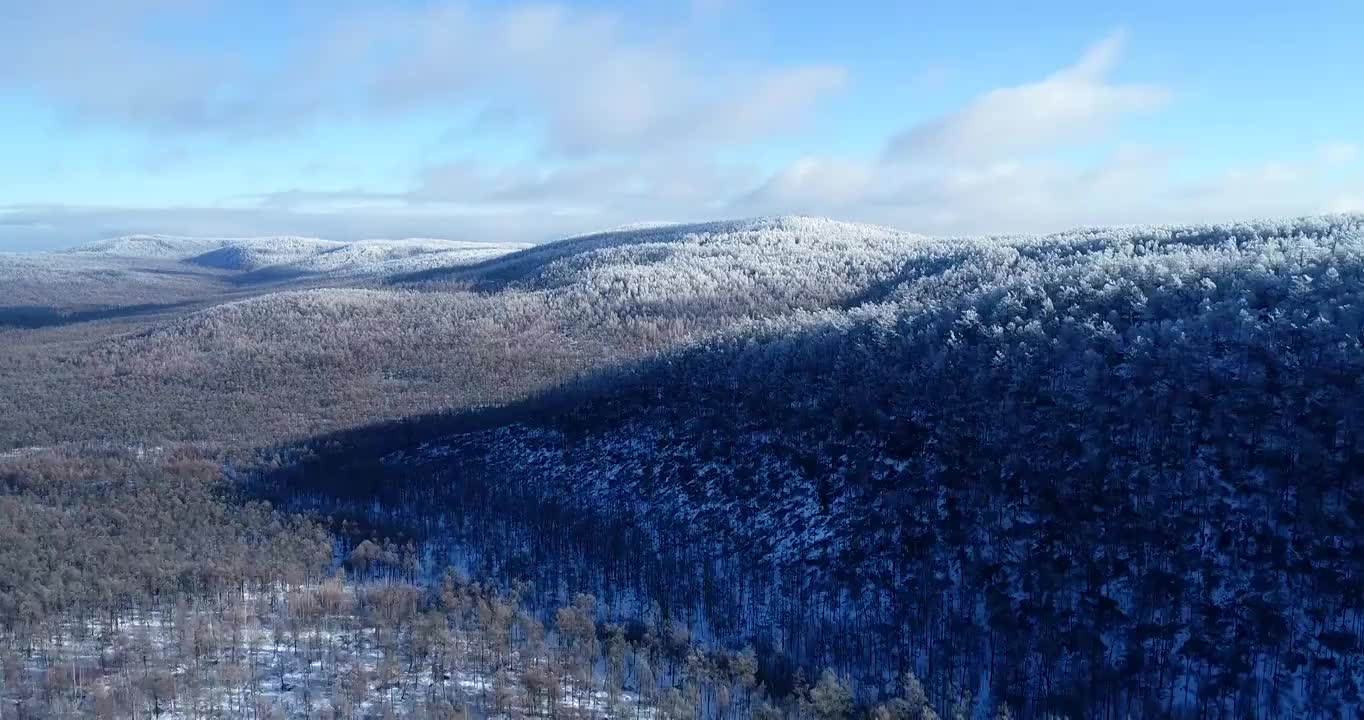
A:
x: 747, y: 250
x: 159, y: 247
x: 294, y: 255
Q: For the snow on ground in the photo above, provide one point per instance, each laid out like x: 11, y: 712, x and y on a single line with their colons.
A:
x: 300, y: 672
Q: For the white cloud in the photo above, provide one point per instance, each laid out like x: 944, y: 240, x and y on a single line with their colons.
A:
x: 816, y: 182
x: 1313, y: 184
x: 774, y: 101
x: 675, y: 185
x: 632, y: 120
x: 1338, y: 153
x: 592, y: 81
x: 92, y: 58
x: 1074, y: 103
x: 597, y: 82
x: 466, y: 200
x: 1131, y: 184
x: 1346, y: 202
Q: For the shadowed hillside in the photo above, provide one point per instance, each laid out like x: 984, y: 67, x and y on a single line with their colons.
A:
x: 1103, y: 472
x: 1100, y: 473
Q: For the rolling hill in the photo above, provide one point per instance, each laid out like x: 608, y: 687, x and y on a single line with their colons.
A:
x: 1114, y: 471
x: 1107, y: 472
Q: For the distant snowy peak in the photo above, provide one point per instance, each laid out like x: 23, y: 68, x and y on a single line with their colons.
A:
x: 644, y: 225
x: 291, y: 255
x: 405, y: 255
x: 256, y: 253
x: 736, y: 236
x: 388, y: 257
x: 156, y: 247
x: 782, y: 249
x: 656, y: 231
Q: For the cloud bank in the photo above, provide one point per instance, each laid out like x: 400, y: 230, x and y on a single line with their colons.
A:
x: 630, y: 122
x: 1074, y: 104
x: 594, y: 81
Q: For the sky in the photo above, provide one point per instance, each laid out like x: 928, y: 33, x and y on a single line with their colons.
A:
x: 532, y: 121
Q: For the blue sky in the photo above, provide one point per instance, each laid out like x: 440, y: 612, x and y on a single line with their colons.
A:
x: 529, y: 121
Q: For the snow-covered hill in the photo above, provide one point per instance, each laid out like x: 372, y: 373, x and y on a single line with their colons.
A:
x: 777, y: 251
x: 1104, y: 472
x: 303, y: 256
x: 395, y: 257
x: 291, y: 256
x: 1112, y: 471
x: 158, y: 247
x: 256, y: 253
x: 59, y: 281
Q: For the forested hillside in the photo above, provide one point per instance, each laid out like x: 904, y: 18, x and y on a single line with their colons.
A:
x: 316, y: 354
x: 1100, y: 473
x: 1105, y: 473
x: 143, y: 584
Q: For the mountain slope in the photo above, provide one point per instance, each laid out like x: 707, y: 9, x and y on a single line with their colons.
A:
x: 289, y: 363
x: 765, y: 254
x: 138, y: 274
x: 291, y: 257
x: 157, y: 247
x: 58, y: 286
x: 1105, y: 472
x: 1108, y: 472
x: 256, y: 253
